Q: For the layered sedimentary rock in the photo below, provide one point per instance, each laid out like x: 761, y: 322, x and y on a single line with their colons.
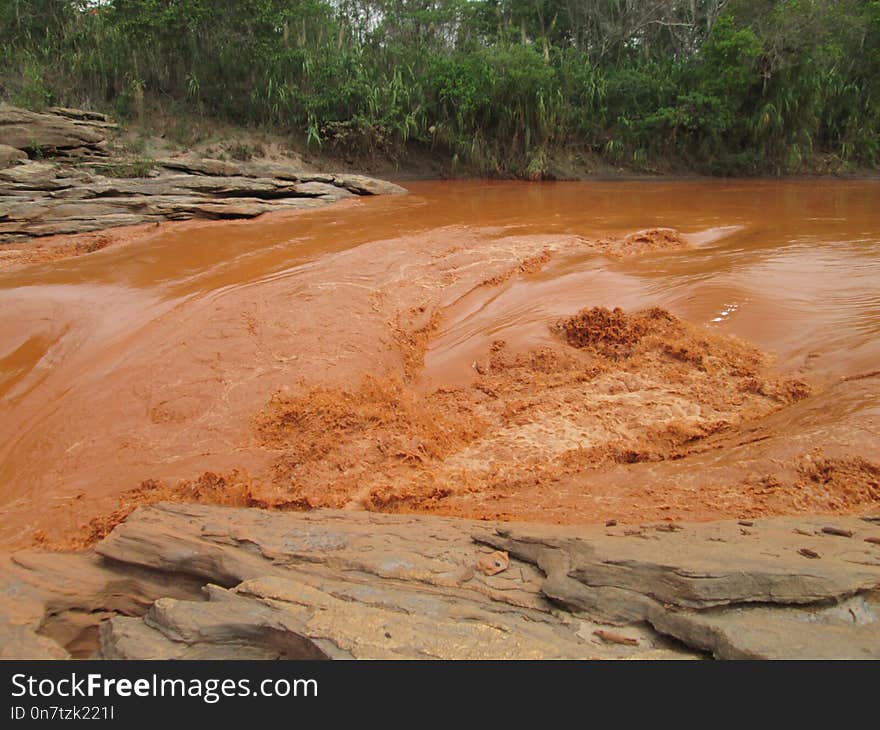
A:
x: 75, y: 187
x: 196, y: 581
x: 10, y: 156
x: 58, y: 131
x: 44, y: 198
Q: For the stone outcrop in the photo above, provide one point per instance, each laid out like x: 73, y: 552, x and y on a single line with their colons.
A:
x: 10, y: 156
x: 195, y: 581
x: 75, y: 187
x: 58, y: 131
x: 781, y: 588
x: 44, y: 198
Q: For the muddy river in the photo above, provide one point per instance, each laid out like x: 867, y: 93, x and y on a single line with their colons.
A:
x: 459, y: 351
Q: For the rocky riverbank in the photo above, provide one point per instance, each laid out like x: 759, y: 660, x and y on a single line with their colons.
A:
x: 399, y: 364
x: 57, y: 176
x: 197, y: 581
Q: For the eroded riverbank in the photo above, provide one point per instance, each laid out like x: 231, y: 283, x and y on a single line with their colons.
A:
x: 416, y: 354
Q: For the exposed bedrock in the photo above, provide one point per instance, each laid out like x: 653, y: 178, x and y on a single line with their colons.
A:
x: 195, y: 581
x: 74, y: 186
x: 58, y: 131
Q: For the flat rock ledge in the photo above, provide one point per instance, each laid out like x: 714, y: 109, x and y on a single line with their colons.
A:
x: 193, y: 581
x: 73, y: 186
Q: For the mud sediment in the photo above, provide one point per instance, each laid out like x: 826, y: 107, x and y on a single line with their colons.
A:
x: 642, y: 242
x: 310, y: 389
x: 615, y: 388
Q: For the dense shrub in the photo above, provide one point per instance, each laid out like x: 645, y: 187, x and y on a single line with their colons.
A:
x: 725, y: 86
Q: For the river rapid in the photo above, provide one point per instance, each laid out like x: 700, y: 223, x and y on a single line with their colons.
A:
x: 422, y: 353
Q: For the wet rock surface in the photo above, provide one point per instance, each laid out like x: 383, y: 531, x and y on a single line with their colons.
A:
x: 73, y: 186
x: 197, y: 581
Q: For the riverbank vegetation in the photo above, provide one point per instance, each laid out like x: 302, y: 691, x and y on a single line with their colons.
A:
x: 499, y: 87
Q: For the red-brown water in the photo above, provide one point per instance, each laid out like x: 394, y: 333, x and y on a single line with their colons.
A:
x: 159, y: 358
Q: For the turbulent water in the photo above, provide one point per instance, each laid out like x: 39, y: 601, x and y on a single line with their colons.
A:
x: 405, y: 353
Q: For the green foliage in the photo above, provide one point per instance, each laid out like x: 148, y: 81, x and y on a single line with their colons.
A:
x: 32, y: 92
x: 496, y: 86
x: 138, y: 167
